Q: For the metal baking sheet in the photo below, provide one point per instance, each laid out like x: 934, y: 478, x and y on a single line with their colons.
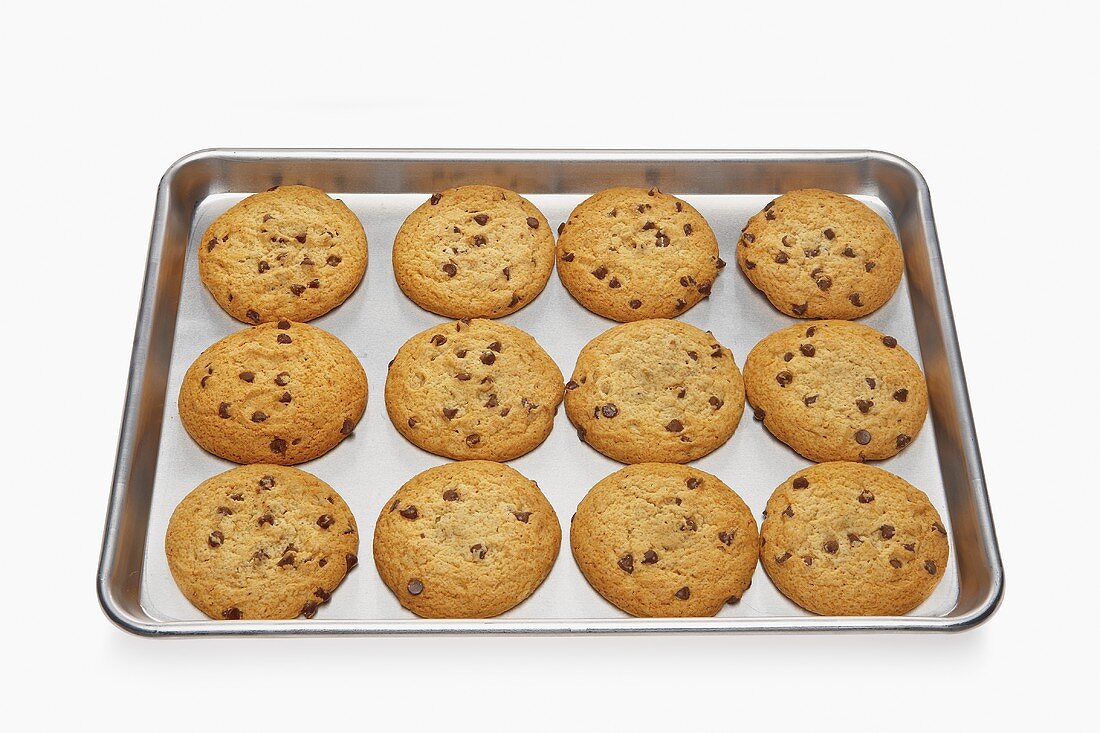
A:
x: 158, y: 463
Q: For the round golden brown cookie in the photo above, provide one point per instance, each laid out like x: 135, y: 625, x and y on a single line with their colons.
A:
x: 276, y: 393
x: 481, y: 389
x: 466, y: 540
x: 820, y: 254
x: 261, y: 542
x: 474, y: 252
x: 660, y: 539
x: 847, y: 539
x: 290, y: 252
x: 836, y: 391
x: 632, y: 253
x: 655, y: 390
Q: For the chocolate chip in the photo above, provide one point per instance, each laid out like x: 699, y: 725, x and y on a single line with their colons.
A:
x: 216, y: 538
x: 492, y: 401
x: 314, y: 283
x: 614, y: 283
x: 809, y: 399
x: 871, y: 382
x: 283, y: 325
x: 351, y: 560
x: 930, y: 567
x: 282, y: 379
x: 211, y: 245
x: 864, y: 407
x: 866, y: 497
x: 237, y: 497
x: 438, y: 339
x: 869, y: 266
x: 687, y: 281
x: 473, y: 439
x: 726, y: 538
x: 278, y: 445
x: 748, y: 237
x: 450, y: 269
x: 635, y: 304
x: 800, y: 482
x: 780, y: 559
x: 662, y: 239
x: 888, y: 341
x: 684, y: 593
x: 704, y: 288
x: 807, y: 349
x: 297, y: 289
x: 253, y: 316
x: 488, y: 357
x: 831, y: 547
x: 694, y: 355
x: 781, y: 258
x: 788, y: 512
x: 829, y: 234
x: 812, y: 252
x: 902, y: 440
x: 784, y: 378
x: 347, y: 426
x: 412, y: 422
x: 266, y: 519
x: 609, y: 410
x: 895, y: 563
x: 571, y: 385
x: 853, y: 538
x: 287, y: 559
x: 788, y: 356
x: 799, y: 310
x: 887, y: 531
x: 415, y: 587
x: 600, y: 272
x: 715, y: 402
x: 333, y: 260
x: 282, y: 338
x: 561, y: 228
x: 301, y: 240
x: 450, y: 495
x: 939, y: 528
x: 436, y: 198
x: 409, y: 512
x: 824, y: 282
x: 689, y: 523
x: 758, y: 414
x: 259, y: 416
x: 901, y: 395
x: 223, y: 410
x: 232, y: 614
x: 674, y: 426
x: 522, y: 516
x: 224, y: 511
x: 626, y: 562
x: 856, y: 299
x: 863, y: 437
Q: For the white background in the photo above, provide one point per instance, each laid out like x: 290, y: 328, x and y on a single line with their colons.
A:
x: 995, y: 105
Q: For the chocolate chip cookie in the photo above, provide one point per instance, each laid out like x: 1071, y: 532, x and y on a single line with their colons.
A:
x: 820, y: 254
x: 466, y: 540
x: 660, y: 539
x: 279, y: 392
x: 474, y: 252
x: 836, y: 391
x: 655, y: 390
x: 477, y: 389
x: 261, y: 542
x: 291, y: 252
x: 847, y: 539
x: 631, y: 253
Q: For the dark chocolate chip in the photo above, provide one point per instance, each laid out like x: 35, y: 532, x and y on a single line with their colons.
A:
x: 758, y: 414
x: 600, y: 272
x: 866, y: 497
x: 522, y: 516
x: 232, y: 614
x: 889, y: 341
x: 347, y: 426
x: 781, y: 258
x: 684, y: 593
x: 863, y: 437
x: 807, y: 349
x: 930, y: 567
x: 829, y: 234
x: 824, y: 282
x: 409, y: 512
x: 473, y: 439
x: 283, y: 325
x: 800, y: 482
x: 351, y: 560
x: 333, y: 260
x: 887, y: 531
x: 936, y: 526
x: 278, y: 445
x: 253, y: 316
x: 282, y: 379
x: 726, y: 538
x: 325, y: 521
x: 626, y: 563
x: 215, y: 539
x: 436, y: 198
x: 266, y: 519
x: 864, y: 406
x: 259, y: 416
x: 901, y: 395
x: 871, y: 382
x: 450, y: 269
x: 780, y: 559
x: 635, y: 304
x: 902, y: 440
x: 297, y: 289
x: 784, y: 378
x: 799, y: 310
x: 450, y: 495
x: 223, y: 410
x: 715, y: 402
x: 282, y: 338
x: 415, y: 587
x: 895, y: 563
x: 674, y: 426
x: 856, y: 299
x: 571, y: 385
x: 832, y: 546
x: 488, y: 357
x: 809, y: 399
x: 412, y: 422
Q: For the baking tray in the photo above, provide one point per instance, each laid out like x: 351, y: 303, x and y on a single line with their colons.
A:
x: 158, y: 463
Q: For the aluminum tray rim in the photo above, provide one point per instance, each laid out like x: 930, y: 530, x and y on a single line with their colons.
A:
x: 131, y: 623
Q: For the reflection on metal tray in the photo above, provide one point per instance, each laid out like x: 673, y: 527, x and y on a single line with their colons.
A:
x: 158, y: 463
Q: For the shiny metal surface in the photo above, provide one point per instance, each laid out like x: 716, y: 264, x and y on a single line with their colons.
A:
x: 158, y: 464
